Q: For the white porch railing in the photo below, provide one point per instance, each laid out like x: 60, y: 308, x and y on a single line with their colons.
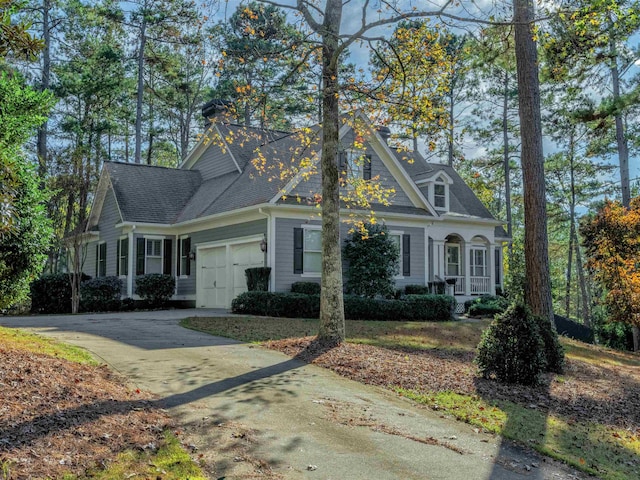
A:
x: 479, y: 285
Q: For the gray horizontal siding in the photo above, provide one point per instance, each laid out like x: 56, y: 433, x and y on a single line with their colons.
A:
x: 109, y: 217
x: 284, y: 254
x: 187, y: 286
x: 214, y: 163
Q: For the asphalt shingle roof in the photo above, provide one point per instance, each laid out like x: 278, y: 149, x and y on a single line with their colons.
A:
x: 151, y: 194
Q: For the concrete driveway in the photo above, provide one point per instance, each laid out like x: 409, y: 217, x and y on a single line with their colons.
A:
x: 288, y: 414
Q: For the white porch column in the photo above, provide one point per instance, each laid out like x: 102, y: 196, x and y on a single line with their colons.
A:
x: 130, y: 266
x: 438, y: 258
x: 467, y: 268
x: 491, y: 260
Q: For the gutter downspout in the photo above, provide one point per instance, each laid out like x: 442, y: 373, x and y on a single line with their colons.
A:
x: 270, y: 254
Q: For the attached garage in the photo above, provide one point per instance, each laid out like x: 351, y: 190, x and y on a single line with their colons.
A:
x: 220, y: 268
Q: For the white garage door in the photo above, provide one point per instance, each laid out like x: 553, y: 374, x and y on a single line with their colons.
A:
x: 212, y: 284
x: 245, y: 255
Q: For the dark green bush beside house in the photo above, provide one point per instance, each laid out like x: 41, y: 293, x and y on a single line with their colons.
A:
x: 155, y: 289
x: 258, y: 278
x: 308, y: 288
x: 101, y: 294
x: 51, y: 293
x: 486, y: 305
x: 293, y: 305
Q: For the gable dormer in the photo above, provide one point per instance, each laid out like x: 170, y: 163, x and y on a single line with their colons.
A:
x: 437, y: 190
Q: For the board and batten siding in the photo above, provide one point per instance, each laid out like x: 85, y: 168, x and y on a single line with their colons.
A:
x: 214, y: 163
x: 187, y: 286
x: 313, y: 184
x: 284, y: 254
x: 109, y: 217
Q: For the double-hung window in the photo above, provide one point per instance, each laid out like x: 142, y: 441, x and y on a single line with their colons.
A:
x: 453, y: 260
x: 153, y: 256
x: 184, y: 265
x: 403, y: 242
x: 354, y: 165
x: 307, y: 250
x: 122, y: 265
x: 478, y: 262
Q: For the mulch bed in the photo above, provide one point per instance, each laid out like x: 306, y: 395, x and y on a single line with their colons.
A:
x: 60, y: 417
x: 604, y: 394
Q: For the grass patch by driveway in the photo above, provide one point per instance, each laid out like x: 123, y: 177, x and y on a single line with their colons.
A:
x: 64, y: 416
x: 588, y: 417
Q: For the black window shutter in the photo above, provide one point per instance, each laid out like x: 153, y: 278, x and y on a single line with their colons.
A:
x: 187, y: 248
x: 342, y: 161
x: 118, y: 258
x: 140, y: 256
x: 297, y: 250
x: 97, y: 259
x: 103, y: 259
x: 406, y: 255
x: 125, y: 246
x: 366, y: 168
x: 166, y: 268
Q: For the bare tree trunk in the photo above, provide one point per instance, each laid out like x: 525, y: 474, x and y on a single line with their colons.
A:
x: 331, y: 300
x: 584, y: 291
x: 538, y: 283
x: 569, y: 275
x: 140, y: 96
x: 46, y: 80
x: 451, y: 126
x: 572, y: 229
x: 505, y: 160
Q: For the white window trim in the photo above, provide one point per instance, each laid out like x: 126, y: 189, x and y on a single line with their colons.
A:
x: 98, y: 260
x: 180, y: 239
x: 400, y: 233
x: 446, y: 259
x: 153, y: 237
x: 432, y: 195
x: 120, y: 239
x: 310, y: 274
x: 472, y: 263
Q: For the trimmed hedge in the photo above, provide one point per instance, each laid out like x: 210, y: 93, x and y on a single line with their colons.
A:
x: 101, y: 294
x: 486, y: 305
x: 155, y: 289
x: 292, y: 305
x: 308, y: 288
x: 51, y: 293
x: 258, y: 278
x: 417, y: 290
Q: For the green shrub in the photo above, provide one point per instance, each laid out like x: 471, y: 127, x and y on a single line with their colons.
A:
x: 155, y: 289
x: 417, y: 290
x: 512, y: 348
x: 486, y: 305
x: 51, y: 293
x: 373, y: 261
x: 277, y: 304
x: 553, y: 351
x: 258, y: 278
x: 292, y: 305
x: 308, y: 288
x: 100, y: 294
x: 438, y: 286
x: 127, y: 305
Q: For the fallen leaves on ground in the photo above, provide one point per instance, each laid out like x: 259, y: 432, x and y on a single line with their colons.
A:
x: 604, y: 394
x: 59, y: 417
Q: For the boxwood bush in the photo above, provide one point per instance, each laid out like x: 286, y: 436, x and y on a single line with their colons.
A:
x: 155, y: 289
x: 101, y: 294
x: 417, y: 290
x: 486, y: 305
x: 309, y: 288
x: 258, y: 278
x: 291, y: 305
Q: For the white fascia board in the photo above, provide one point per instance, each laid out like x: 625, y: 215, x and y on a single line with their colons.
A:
x: 471, y: 220
x: 104, y: 184
x: 432, y: 178
x: 196, y: 151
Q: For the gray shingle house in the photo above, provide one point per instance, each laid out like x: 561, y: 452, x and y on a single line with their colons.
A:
x: 216, y: 215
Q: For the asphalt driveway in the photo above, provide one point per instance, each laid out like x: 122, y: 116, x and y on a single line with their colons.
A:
x: 301, y: 416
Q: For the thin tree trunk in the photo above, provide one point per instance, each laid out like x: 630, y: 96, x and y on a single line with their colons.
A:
x: 572, y: 217
x: 140, y: 96
x: 567, y: 287
x: 505, y: 160
x: 331, y: 301
x: 584, y: 290
x: 451, y: 127
x: 538, y: 283
x: 46, y: 79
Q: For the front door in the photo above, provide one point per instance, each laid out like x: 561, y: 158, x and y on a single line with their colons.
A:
x: 213, y: 278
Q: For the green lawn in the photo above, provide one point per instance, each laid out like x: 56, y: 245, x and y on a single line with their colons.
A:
x: 608, y: 451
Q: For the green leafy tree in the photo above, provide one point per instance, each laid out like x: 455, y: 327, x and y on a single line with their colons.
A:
x: 373, y: 260
x: 26, y: 230
x: 15, y: 38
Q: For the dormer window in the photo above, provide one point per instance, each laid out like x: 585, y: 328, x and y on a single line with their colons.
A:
x: 437, y: 190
